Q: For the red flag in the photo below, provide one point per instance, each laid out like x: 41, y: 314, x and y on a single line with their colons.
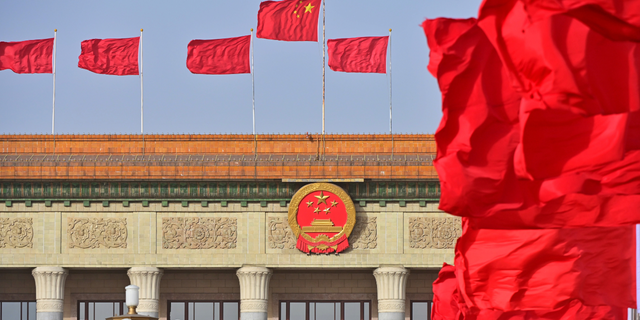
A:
x: 289, y: 20
x: 364, y: 54
x: 31, y: 56
x: 110, y: 56
x: 220, y: 56
x: 510, y: 270
x: 449, y: 305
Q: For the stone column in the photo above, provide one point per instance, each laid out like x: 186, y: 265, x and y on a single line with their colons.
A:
x: 49, y: 292
x: 254, y: 286
x: 392, y: 283
x: 148, y: 279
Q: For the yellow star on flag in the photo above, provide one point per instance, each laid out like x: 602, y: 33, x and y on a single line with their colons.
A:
x: 316, y: 210
x: 334, y: 203
x: 322, y: 198
x: 309, y: 204
x: 326, y: 211
x: 308, y: 8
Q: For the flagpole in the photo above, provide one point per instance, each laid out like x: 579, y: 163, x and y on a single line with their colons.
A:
x: 141, y: 89
x: 324, y: 43
x: 253, y: 90
x: 390, y: 99
x: 53, y: 115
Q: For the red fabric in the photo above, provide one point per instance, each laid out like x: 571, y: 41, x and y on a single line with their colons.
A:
x: 574, y: 81
x: 220, y: 56
x: 510, y: 270
x: 364, y: 54
x: 31, y: 56
x: 289, y: 20
x: 110, y: 56
x: 449, y: 305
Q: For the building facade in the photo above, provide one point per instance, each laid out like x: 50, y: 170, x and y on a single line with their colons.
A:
x: 201, y: 223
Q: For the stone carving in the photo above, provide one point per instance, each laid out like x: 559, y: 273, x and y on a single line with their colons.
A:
x: 365, y: 234
x: 92, y: 233
x: 199, y: 233
x: 16, y: 233
x: 436, y: 233
x: 391, y: 306
x: 253, y: 306
x: 280, y: 234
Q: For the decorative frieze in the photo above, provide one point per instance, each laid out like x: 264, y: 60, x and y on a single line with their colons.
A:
x: 93, y: 233
x: 436, y: 233
x: 199, y: 233
x: 16, y: 233
x: 280, y: 235
x: 365, y: 233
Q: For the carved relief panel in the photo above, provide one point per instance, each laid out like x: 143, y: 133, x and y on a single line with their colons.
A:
x: 199, y: 233
x: 365, y: 233
x: 16, y: 233
x: 435, y: 233
x: 93, y: 233
x: 280, y: 235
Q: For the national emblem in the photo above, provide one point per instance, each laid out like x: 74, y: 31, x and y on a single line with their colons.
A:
x: 327, y: 233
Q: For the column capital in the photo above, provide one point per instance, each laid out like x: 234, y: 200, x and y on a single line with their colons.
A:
x: 254, y: 288
x: 392, y: 283
x: 49, y: 289
x: 148, y: 279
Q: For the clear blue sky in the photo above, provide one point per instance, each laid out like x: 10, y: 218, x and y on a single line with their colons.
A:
x: 288, y: 75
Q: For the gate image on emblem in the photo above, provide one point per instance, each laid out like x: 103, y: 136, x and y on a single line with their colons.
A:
x: 322, y: 216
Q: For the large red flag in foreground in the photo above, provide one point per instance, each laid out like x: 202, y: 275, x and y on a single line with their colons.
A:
x: 449, y: 305
x: 220, y: 56
x: 289, y: 20
x: 364, y: 54
x: 110, y: 56
x: 481, y: 132
x: 31, y: 56
x: 542, y: 269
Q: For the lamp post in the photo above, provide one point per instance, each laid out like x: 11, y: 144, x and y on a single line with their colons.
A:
x: 132, y: 300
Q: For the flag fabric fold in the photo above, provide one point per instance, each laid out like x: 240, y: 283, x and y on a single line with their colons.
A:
x: 30, y: 56
x: 219, y: 56
x: 363, y: 54
x: 110, y: 56
x: 289, y: 20
x: 449, y: 305
x: 546, y: 269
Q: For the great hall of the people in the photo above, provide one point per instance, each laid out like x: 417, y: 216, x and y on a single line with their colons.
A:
x: 221, y: 227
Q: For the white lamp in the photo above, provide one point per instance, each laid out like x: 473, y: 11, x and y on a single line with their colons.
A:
x: 132, y: 298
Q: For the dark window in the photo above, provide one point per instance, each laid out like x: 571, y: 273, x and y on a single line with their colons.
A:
x: 99, y: 310
x: 421, y: 310
x: 204, y: 310
x: 18, y: 310
x: 325, y: 310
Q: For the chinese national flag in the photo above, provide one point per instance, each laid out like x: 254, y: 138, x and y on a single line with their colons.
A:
x: 289, y: 20
x: 31, y: 56
x: 363, y: 54
x: 449, y: 305
x: 110, y: 56
x: 220, y: 56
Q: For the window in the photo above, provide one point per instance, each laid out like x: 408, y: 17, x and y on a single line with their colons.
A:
x: 18, y: 310
x: 204, y: 310
x: 421, y: 310
x: 99, y: 310
x: 325, y: 310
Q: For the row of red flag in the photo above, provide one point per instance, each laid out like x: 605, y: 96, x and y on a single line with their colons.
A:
x: 539, y: 153
x: 287, y: 20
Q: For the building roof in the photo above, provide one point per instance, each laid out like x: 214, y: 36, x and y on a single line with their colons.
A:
x: 217, y: 157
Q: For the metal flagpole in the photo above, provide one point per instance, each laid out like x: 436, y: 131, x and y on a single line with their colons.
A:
x: 141, y: 90
x: 324, y: 49
x: 53, y: 117
x: 390, y: 99
x: 253, y: 90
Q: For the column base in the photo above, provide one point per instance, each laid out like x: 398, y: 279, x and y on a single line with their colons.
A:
x: 148, y: 313
x: 49, y: 315
x: 390, y: 316
x: 253, y: 316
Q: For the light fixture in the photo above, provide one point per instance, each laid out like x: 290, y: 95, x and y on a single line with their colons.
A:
x: 132, y: 294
